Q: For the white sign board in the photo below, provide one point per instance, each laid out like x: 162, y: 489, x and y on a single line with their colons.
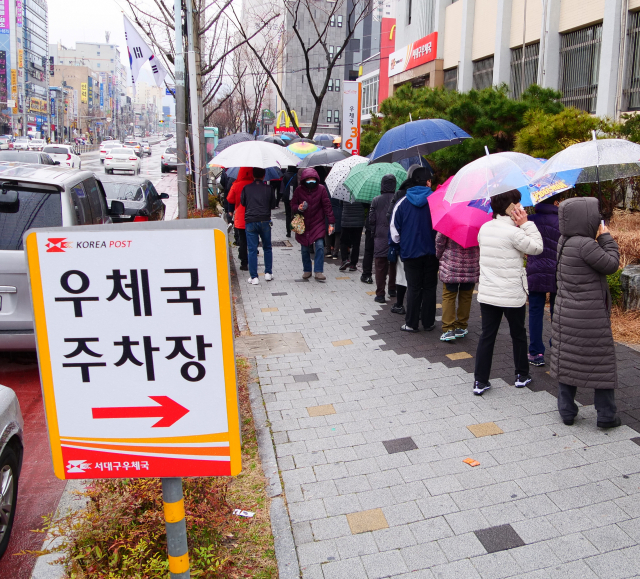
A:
x: 351, y: 112
x: 135, y: 346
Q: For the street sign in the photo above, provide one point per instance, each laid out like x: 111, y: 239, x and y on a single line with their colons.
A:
x: 135, y: 347
x: 351, y: 108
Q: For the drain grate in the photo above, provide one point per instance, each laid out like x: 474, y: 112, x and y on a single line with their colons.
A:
x: 278, y: 244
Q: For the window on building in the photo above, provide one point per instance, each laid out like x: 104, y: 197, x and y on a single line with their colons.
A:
x: 336, y: 116
x: 98, y: 53
x: 339, y: 53
x: 579, y: 67
x: 329, y: 114
x: 370, y: 95
x: 531, y: 54
x: 332, y: 20
x: 337, y: 85
x: 483, y: 73
x: 98, y: 65
x: 330, y: 51
x: 451, y: 78
x: 631, y: 91
x: 330, y: 84
x: 409, y: 11
x: 339, y: 21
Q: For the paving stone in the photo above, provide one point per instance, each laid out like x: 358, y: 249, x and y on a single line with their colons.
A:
x: 342, y: 343
x: 345, y: 569
x: 485, y: 429
x: 363, y: 521
x: 613, y: 565
x: 431, y: 530
x: 394, y: 538
x: 312, y: 311
x: 306, y: 378
x: 356, y: 545
x: 330, y: 528
x: 534, y: 557
x: 459, y: 356
x: 322, y: 410
x: 456, y: 570
x: 499, y: 538
x: 496, y: 565
x: 572, y: 547
x: 423, y: 556
x: 269, y: 310
x: 279, y: 294
x: 317, y: 552
x: 572, y: 570
x: 400, y: 445
x: 608, y: 538
x: 461, y: 547
x: 382, y: 565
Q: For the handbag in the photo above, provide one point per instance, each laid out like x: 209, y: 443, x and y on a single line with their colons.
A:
x: 392, y: 256
x: 297, y: 224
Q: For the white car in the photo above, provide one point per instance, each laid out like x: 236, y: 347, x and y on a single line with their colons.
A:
x: 22, y: 143
x: 106, y: 146
x: 122, y: 160
x: 135, y: 145
x: 6, y: 142
x: 146, y: 147
x: 11, y: 451
x: 65, y: 154
x: 37, y: 144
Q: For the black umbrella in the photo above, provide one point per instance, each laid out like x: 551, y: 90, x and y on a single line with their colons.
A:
x: 232, y: 140
x: 270, y: 139
x: 324, y: 158
x: 324, y: 139
x: 301, y: 140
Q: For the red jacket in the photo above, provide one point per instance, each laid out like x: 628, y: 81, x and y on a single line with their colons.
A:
x: 245, y: 177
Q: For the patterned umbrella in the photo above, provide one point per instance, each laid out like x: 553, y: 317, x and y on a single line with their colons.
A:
x: 364, y: 180
x: 339, y: 172
x: 301, y: 150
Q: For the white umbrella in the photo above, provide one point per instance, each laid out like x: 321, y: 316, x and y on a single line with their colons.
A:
x: 255, y: 154
x: 339, y: 172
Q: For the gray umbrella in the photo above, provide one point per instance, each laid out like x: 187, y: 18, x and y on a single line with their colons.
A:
x: 232, y: 140
x: 324, y: 158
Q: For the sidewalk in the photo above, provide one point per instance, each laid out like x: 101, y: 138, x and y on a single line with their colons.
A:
x: 169, y: 185
x: 371, y: 432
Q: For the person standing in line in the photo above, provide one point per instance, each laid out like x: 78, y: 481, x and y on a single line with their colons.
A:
x: 583, y: 353
x: 258, y: 200
x: 289, y: 183
x: 541, y: 275
x: 245, y: 177
x: 504, y: 241
x: 352, y: 225
x: 369, y: 248
x: 416, y: 175
x: 412, y: 228
x: 459, y: 273
x: 332, y: 242
x: 380, y: 234
x: 311, y: 200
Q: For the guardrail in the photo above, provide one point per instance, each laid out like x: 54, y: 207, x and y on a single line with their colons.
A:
x: 88, y: 148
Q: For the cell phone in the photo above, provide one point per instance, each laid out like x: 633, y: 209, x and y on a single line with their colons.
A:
x: 602, y: 223
x: 509, y: 209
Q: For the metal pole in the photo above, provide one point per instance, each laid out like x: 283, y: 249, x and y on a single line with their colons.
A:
x: 193, y: 98
x: 524, y: 41
x: 180, y: 113
x: 176, y: 527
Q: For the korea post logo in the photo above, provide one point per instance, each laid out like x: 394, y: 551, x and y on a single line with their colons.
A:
x: 58, y: 244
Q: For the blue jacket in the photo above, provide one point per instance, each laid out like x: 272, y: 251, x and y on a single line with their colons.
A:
x: 411, y: 224
x: 541, y: 269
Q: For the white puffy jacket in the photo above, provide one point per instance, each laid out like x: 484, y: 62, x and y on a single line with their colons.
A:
x: 503, y: 278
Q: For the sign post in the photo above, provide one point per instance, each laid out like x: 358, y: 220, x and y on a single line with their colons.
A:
x: 135, y: 347
x: 351, y: 113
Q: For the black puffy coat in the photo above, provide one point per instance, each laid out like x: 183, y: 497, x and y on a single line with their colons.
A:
x: 583, y: 352
x: 353, y: 214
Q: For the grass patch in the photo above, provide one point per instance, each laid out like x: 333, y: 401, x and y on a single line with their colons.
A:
x: 120, y: 534
x: 625, y: 325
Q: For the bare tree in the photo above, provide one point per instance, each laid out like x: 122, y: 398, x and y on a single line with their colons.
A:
x: 225, y: 114
x: 305, y: 31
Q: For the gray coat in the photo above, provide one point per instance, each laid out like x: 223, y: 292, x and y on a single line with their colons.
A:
x: 379, y: 224
x: 583, y: 352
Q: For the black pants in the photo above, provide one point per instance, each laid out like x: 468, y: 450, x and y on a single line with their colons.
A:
x: 491, y: 318
x: 350, y: 238
x: 367, y: 260
x: 287, y: 214
x: 400, y: 293
x: 242, y: 246
x: 332, y: 243
x: 603, y: 400
x: 422, y: 282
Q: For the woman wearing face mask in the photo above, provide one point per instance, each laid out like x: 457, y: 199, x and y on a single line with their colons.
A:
x: 311, y: 200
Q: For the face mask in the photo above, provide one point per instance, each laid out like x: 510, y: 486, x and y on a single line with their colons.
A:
x: 310, y: 184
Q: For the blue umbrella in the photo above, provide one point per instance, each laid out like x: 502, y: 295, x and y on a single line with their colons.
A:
x: 417, y: 138
x: 408, y: 161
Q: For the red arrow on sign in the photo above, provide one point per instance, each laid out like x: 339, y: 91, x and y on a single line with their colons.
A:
x: 169, y: 411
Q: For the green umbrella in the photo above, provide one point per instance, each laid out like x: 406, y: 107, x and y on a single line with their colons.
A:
x: 364, y: 180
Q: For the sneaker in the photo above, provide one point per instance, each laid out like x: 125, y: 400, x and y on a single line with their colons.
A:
x: 392, y: 294
x: 320, y: 276
x: 334, y: 256
x: 479, y: 388
x: 396, y: 309
x: 289, y: 234
x: 306, y: 275
x: 613, y: 424
x: 345, y: 265
x: 430, y: 328
x: 253, y: 280
x: 537, y: 360
x: 380, y: 300
x: 364, y: 278
x: 522, y: 381
x: 244, y: 268
x: 353, y: 268
x: 268, y: 276
x: 568, y: 421
x: 449, y: 336
x: 406, y: 328
x: 461, y: 333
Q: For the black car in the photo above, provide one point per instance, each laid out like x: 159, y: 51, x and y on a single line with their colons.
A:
x: 141, y: 200
x: 169, y: 160
x: 34, y: 157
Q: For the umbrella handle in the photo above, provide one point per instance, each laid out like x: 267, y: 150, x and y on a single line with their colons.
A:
x: 486, y: 150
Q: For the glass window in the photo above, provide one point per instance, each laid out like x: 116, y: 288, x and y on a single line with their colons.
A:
x: 370, y: 95
x: 337, y: 85
x: 32, y: 209
x: 631, y: 92
x: 336, y: 116
x: 332, y: 20
x: 451, y: 78
x: 81, y: 205
x: 329, y: 116
x: 330, y: 51
x: 94, y: 196
x: 483, y: 73
x: 408, y: 12
x: 98, y: 65
x: 531, y: 54
x: 339, y: 21
x: 330, y: 84
x: 98, y: 53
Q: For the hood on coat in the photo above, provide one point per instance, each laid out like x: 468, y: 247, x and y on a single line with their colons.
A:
x: 245, y: 174
x: 418, y: 195
x: 309, y: 173
x: 388, y: 184
x: 579, y: 216
x: 546, y: 208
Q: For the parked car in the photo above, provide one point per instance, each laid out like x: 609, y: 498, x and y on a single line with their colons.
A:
x: 66, y: 155
x: 106, y: 146
x: 123, y: 159
x: 169, y: 159
x: 135, y: 145
x: 141, y: 200
x: 43, y: 196
x: 11, y: 452
x: 34, y: 157
x: 6, y: 142
x: 21, y: 143
x: 168, y: 136
x: 36, y: 144
x: 146, y: 147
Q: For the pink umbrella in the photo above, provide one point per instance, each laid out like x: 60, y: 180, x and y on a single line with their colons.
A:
x: 459, y: 221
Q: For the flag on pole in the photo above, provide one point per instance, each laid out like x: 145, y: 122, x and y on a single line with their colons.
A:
x: 139, y: 53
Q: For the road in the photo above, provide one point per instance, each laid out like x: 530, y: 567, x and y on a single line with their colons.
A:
x: 39, y: 490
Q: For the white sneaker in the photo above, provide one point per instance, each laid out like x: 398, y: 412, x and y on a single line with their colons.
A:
x: 253, y: 280
x: 268, y: 276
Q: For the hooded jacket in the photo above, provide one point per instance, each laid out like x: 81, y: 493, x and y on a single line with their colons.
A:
x: 541, y: 269
x: 457, y: 264
x: 503, y: 245
x: 288, y: 184
x: 319, y: 207
x: 583, y: 352
x: 245, y: 177
x: 411, y: 225
x: 416, y: 175
x: 353, y: 214
x: 378, y: 222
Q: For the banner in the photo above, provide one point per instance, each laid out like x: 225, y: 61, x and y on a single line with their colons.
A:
x: 90, y: 91
x: 83, y: 92
x: 14, y: 89
x: 351, y: 111
x: 19, y: 12
x: 417, y: 53
x: 4, y: 17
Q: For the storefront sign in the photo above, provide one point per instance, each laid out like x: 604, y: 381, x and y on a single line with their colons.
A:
x: 351, y: 110
x: 83, y: 92
x: 14, y: 89
x: 4, y: 17
x: 20, y: 58
x: 417, y: 53
x: 19, y: 11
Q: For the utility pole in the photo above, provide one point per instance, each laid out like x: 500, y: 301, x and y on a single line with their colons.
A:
x: 180, y: 113
x: 193, y: 100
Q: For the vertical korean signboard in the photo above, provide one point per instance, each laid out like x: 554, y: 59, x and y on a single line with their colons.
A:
x: 83, y: 92
x: 351, y: 110
x: 5, y: 52
x: 135, y: 348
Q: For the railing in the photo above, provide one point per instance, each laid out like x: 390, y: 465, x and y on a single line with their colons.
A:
x: 483, y: 73
x: 531, y: 55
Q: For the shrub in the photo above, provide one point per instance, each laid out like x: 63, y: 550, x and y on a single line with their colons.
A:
x: 614, y: 287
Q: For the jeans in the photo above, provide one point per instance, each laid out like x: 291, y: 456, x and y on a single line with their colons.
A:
x: 383, y: 267
x: 452, y: 319
x: 422, y: 282
x: 536, y: 320
x: 242, y: 246
x: 603, y: 400
x: 350, y: 238
x: 367, y: 260
x: 256, y: 231
x: 491, y: 318
x: 318, y: 260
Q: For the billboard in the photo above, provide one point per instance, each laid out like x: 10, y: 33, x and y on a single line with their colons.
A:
x: 417, y: 53
x: 83, y: 92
